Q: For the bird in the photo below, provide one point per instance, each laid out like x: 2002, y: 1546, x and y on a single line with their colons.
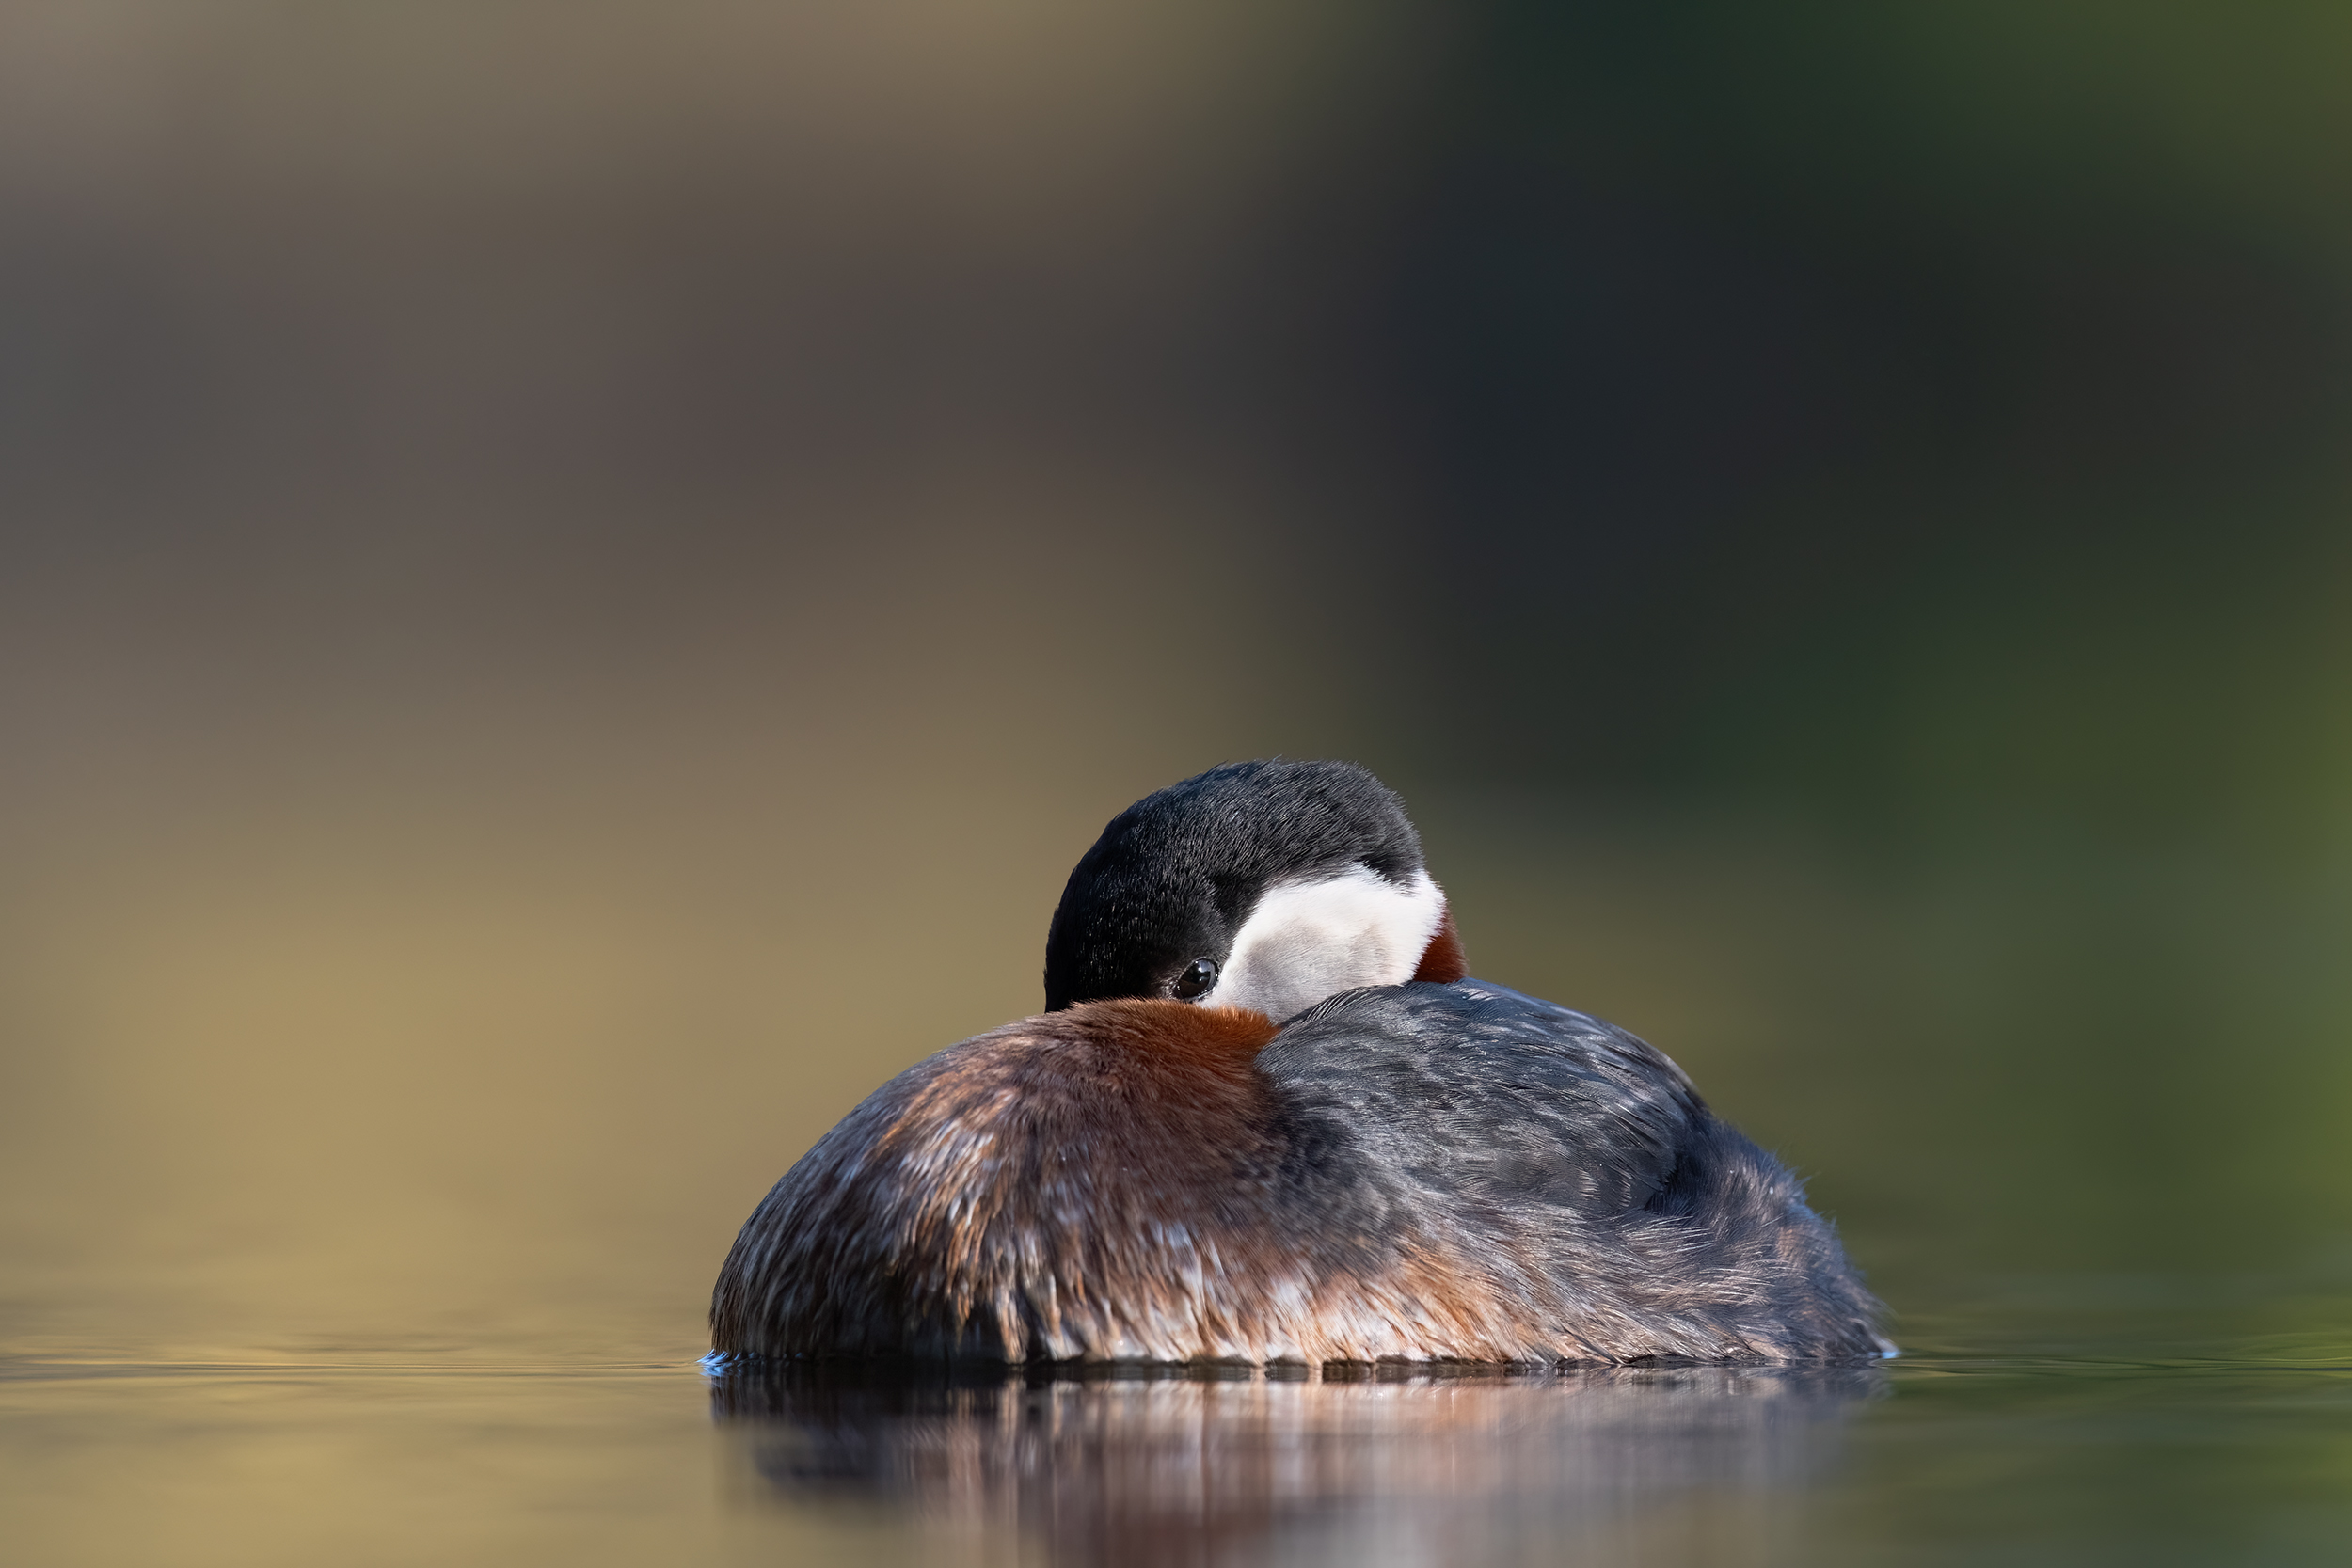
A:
x: 1267, y: 1117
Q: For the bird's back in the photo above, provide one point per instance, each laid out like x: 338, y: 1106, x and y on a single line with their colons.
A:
x: 1575, y: 1162
x: 1420, y: 1171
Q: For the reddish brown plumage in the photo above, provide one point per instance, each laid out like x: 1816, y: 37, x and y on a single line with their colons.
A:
x: 1175, y: 1035
x: 1443, y: 961
x: 1115, y: 1180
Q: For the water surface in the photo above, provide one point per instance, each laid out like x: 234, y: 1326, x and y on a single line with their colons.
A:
x: 2092, y: 1419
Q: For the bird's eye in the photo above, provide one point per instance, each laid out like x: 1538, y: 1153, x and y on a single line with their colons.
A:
x: 1198, y: 978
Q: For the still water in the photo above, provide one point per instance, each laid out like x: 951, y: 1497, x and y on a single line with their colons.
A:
x: 2083, y: 1421
x: 336, y: 1229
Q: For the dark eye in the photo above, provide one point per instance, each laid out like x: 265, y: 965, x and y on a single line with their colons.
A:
x: 1198, y: 978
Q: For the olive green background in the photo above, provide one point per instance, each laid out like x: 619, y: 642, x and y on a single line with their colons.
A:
x: 574, y: 578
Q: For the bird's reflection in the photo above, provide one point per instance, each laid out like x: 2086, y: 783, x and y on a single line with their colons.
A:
x: 1369, y: 1465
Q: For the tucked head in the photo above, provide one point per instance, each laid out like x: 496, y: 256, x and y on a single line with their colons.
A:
x: 1269, y: 886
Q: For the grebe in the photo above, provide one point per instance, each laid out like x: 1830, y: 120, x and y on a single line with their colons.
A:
x: 1410, y: 1165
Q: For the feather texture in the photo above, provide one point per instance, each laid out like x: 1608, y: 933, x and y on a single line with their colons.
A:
x: 1424, y: 1171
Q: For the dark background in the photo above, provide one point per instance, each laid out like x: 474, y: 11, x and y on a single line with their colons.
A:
x: 574, y: 576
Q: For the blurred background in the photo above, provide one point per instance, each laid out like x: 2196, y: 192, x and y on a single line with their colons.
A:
x: 573, y: 578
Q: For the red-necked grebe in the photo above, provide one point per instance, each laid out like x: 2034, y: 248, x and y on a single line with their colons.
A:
x: 1266, y: 1118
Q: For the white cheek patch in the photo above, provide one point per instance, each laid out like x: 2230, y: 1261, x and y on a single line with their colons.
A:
x: 1307, y: 940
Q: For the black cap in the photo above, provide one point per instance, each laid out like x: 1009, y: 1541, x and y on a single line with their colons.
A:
x: 1175, y: 874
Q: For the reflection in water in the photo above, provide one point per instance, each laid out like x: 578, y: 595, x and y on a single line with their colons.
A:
x: 1141, y: 1464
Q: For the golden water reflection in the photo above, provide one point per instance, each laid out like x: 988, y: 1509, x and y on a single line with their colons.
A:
x: 1167, y: 1465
